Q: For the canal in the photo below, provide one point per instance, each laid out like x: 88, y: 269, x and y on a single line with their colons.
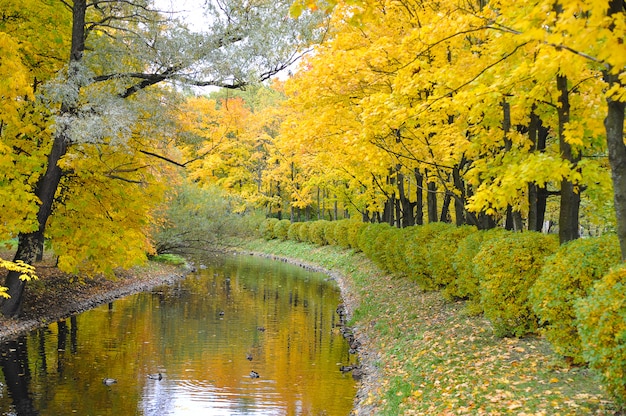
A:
x: 241, y: 336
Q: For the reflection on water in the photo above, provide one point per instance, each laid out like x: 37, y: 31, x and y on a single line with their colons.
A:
x: 204, y: 335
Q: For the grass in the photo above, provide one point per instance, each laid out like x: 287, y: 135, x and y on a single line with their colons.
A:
x: 435, y: 359
x: 173, y: 259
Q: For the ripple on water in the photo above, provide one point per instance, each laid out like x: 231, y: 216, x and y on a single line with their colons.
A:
x: 193, y: 397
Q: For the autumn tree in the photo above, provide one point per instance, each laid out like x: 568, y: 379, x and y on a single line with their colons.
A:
x: 117, y: 53
x: 497, y: 101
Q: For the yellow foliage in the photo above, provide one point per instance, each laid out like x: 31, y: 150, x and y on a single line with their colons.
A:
x: 27, y: 272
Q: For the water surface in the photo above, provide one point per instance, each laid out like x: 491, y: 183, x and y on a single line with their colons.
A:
x: 204, y: 334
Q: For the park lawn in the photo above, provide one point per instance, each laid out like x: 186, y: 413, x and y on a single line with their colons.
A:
x: 426, y: 356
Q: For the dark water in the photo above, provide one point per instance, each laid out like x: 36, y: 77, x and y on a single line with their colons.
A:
x: 199, y: 334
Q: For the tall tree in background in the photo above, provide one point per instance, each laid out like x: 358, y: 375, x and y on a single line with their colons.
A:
x: 118, y: 50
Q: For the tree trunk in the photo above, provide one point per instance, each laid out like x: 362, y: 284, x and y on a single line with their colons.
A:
x: 431, y: 200
x: 445, y: 208
x: 513, y: 219
x: 570, y: 195
x: 459, y: 200
x: 537, y: 195
x: 614, y: 126
x: 419, y: 195
x: 30, y: 245
x: 408, y: 218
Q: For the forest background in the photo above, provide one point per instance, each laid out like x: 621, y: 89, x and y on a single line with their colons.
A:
x: 407, y: 113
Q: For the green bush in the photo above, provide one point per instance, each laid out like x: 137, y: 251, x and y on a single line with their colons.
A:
x: 317, y: 232
x: 381, y: 252
x: 467, y: 284
x: 602, y: 327
x: 565, y: 277
x: 281, y: 228
x: 293, y: 233
x: 417, y: 255
x: 195, y: 218
x: 354, y: 228
x: 441, y: 247
x: 341, y: 233
x: 367, y: 238
x: 394, y: 250
x: 507, y: 268
x: 303, y: 232
x: 329, y: 233
x: 266, y: 229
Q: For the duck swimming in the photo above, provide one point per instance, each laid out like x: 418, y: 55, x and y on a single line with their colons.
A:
x: 109, y: 381
x: 254, y: 374
x: 157, y: 376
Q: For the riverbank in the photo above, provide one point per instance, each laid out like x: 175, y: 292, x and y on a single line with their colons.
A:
x: 420, y: 354
x: 423, y: 355
x: 57, y: 295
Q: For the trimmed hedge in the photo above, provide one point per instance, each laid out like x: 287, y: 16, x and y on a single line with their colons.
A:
x: 507, y: 268
x: 567, y: 276
x: 266, y: 228
x: 354, y: 228
x: 341, y: 233
x: 281, y: 228
x: 303, y: 232
x: 602, y: 327
x: 417, y: 253
x: 440, y: 248
x: 294, y: 231
x: 467, y: 283
x: 317, y: 232
x: 367, y: 238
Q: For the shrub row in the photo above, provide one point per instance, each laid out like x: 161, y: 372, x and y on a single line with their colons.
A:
x: 524, y: 283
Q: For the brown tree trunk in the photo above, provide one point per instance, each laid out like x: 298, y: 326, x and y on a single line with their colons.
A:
x: 537, y: 195
x: 614, y: 126
x: 445, y: 208
x: 406, y: 209
x: 459, y: 200
x: 570, y: 195
x: 419, y: 195
x: 431, y: 200
x: 30, y: 245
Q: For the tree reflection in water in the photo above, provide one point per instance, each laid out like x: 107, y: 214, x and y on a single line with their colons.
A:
x: 199, y: 333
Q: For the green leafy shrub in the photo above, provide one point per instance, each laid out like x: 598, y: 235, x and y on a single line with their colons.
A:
x: 195, y: 218
x: 303, y: 232
x: 565, y: 277
x: 416, y: 252
x: 329, y: 232
x: 354, y: 228
x: 381, y: 252
x: 367, y: 237
x: 293, y: 233
x: 394, y: 250
x: 441, y: 247
x: 507, y: 267
x: 341, y: 233
x: 317, y: 232
x: 266, y: 230
x: 602, y: 327
x: 467, y: 284
x: 281, y: 228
